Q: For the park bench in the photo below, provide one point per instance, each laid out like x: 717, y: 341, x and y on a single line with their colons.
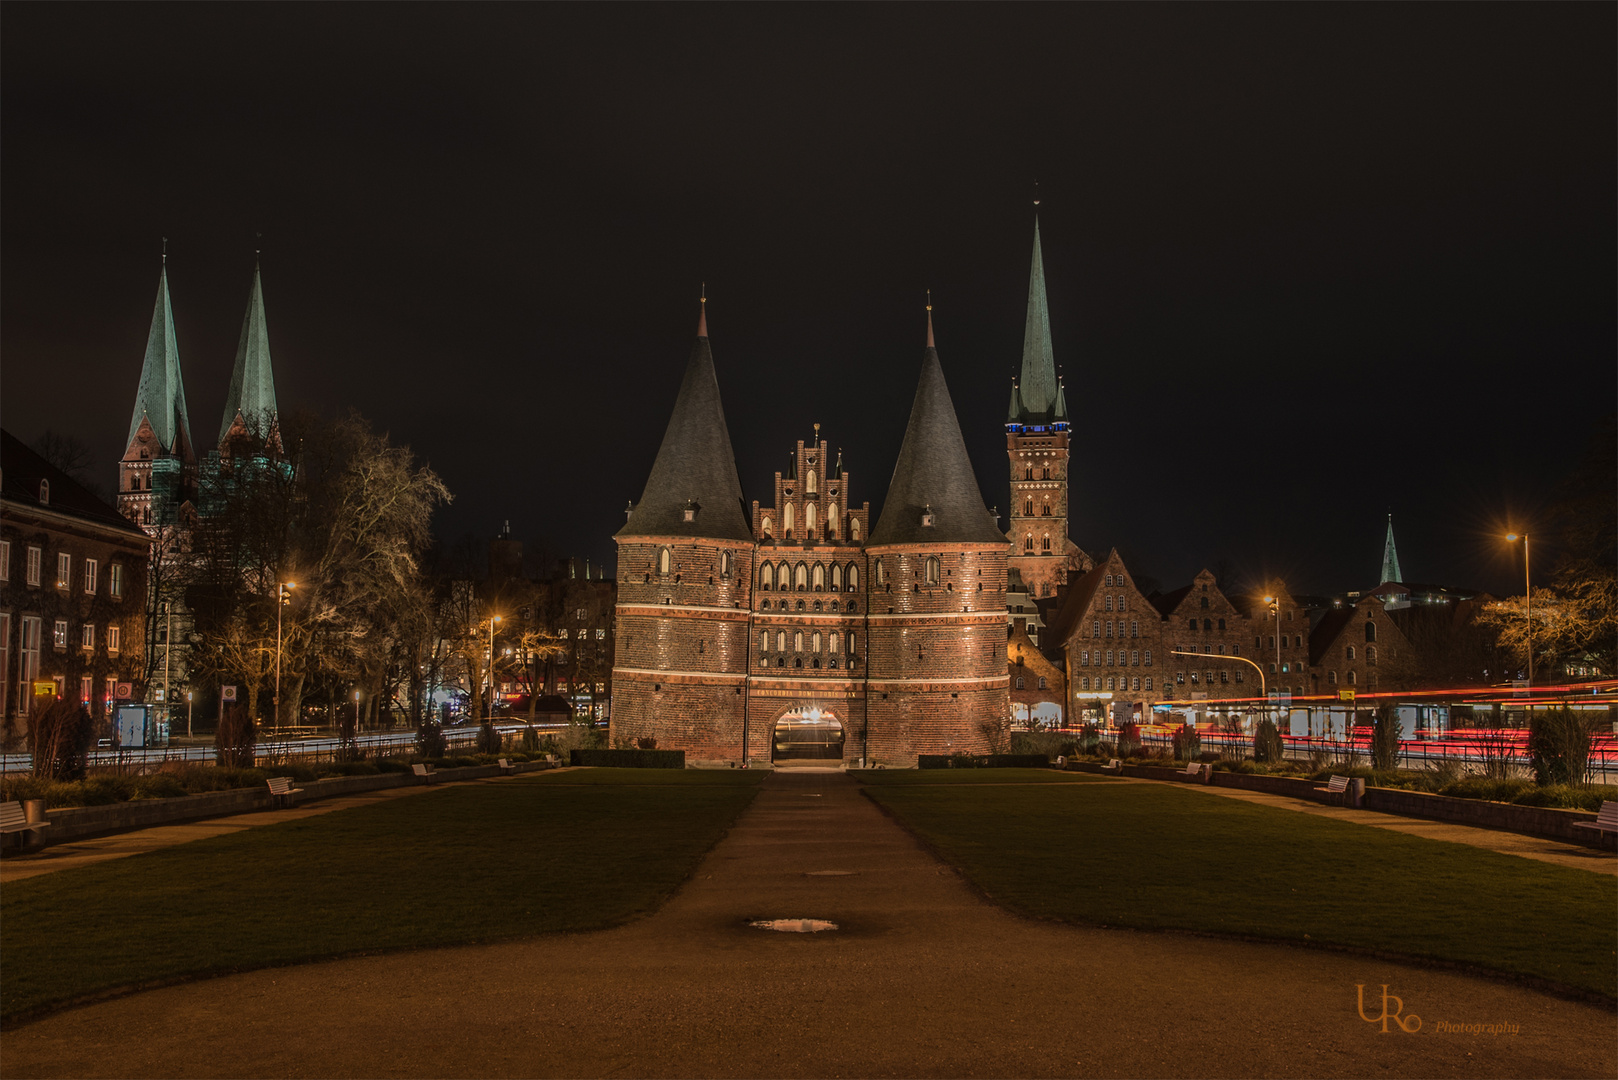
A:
x: 281, y: 790
x: 1335, y: 786
x: 423, y: 771
x: 1606, y: 820
x: 1114, y: 766
x: 505, y: 767
x: 552, y: 759
x: 14, y: 819
x: 1195, y: 770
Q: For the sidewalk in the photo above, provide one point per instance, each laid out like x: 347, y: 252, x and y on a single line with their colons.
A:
x: 922, y: 978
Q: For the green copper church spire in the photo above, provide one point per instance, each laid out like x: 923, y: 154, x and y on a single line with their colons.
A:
x: 160, y: 399
x: 1037, y: 387
x: 252, y: 382
x: 1390, y: 557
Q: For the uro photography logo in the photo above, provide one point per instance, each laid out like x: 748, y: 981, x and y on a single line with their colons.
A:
x: 1408, y: 1024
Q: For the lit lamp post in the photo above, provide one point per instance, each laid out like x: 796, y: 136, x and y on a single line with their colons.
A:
x: 188, y: 707
x: 1262, y: 685
x: 283, y: 597
x: 489, y: 707
x: 1528, y: 604
x: 356, y: 714
x: 1274, y: 604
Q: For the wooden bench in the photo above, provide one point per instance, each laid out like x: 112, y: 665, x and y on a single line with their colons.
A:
x: 423, y: 771
x: 1335, y: 786
x: 505, y: 767
x: 1195, y: 770
x: 281, y: 790
x: 1113, y: 766
x: 14, y: 820
x: 1606, y: 820
x: 552, y: 759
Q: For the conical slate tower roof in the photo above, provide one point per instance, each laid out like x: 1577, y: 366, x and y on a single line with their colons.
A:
x: 1037, y: 387
x: 695, y: 468
x: 161, y: 396
x: 1390, y: 557
x: 252, y: 381
x: 934, y: 476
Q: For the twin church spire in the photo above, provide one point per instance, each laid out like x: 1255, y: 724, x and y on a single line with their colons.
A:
x: 160, y: 398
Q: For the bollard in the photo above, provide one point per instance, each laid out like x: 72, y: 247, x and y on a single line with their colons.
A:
x: 1356, y: 792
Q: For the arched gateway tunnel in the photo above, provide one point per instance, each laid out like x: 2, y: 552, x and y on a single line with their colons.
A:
x: 807, y: 733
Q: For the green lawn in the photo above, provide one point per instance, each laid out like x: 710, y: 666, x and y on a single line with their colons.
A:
x: 1156, y: 856
x: 479, y: 862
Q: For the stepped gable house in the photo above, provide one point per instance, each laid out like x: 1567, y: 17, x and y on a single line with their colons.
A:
x: 798, y: 631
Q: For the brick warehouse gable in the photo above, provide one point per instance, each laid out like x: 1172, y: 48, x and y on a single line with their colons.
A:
x: 896, y: 631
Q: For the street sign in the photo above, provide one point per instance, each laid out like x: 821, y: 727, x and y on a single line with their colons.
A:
x: 126, y: 691
x: 227, y: 693
x: 160, y: 693
x: 44, y: 687
x: 1345, y: 695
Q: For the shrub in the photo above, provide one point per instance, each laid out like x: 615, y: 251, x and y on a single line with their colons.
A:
x: 430, y: 739
x: 60, y: 740
x: 1267, y: 746
x: 1048, y: 743
x: 629, y: 759
x: 1559, y: 747
x: 235, y: 738
x: 159, y: 786
x: 1089, y: 738
x: 489, y: 738
x: 1187, y: 743
x: 530, y: 740
x: 1129, y: 740
x: 1385, y: 738
x: 646, y: 742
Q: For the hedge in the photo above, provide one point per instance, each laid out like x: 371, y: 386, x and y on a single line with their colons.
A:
x: 628, y: 759
x: 983, y: 761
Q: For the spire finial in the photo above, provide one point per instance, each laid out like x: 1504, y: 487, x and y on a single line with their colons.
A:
x: 258, y: 248
x: 1036, y: 195
x: 702, y: 319
x: 930, y: 319
x: 165, y: 251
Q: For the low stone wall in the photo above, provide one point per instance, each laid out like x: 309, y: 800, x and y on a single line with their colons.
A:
x: 69, y: 823
x: 1547, y: 822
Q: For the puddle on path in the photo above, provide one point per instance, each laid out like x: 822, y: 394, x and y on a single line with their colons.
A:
x: 793, y: 926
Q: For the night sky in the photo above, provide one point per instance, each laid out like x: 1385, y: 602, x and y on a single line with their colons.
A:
x: 1307, y: 263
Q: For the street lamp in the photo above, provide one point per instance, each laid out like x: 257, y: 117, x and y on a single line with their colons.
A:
x: 356, y: 714
x: 188, y: 706
x: 1528, y: 603
x: 283, y: 597
x: 489, y: 707
x: 1263, y: 687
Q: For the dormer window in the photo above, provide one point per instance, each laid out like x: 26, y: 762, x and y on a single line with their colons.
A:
x: 44, y: 493
x: 927, y: 516
x: 691, y: 508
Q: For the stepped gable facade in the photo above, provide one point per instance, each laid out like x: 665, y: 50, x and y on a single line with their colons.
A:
x: 806, y: 633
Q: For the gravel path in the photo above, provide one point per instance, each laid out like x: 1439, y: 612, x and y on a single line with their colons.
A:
x: 923, y: 979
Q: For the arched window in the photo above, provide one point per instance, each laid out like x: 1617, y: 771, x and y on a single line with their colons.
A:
x: 780, y: 641
x: 881, y: 572
x: 1331, y: 677
x: 1121, y: 597
x: 809, y: 517
x: 1204, y: 602
x: 766, y: 577
x: 814, y: 641
x: 809, y: 483
x: 818, y: 580
x: 1207, y: 624
x: 1028, y: 542
x: 1353, y: 678
x: 725, y: 559
x: 665, y: 559
x: 1148, y: 661
x: 932, y: 569
x: 1109, y: 581
x: 1045, y: 510
x: 1045, y: 544
x: 831, y: 518
x: 1028, y: 473
x: 853, y: 578
x: 1019, y: 682
x: 1221, y: 624
x: 1028, y: 507
x: 800, y: 577
x: 1148, y: 682
x: 834, y: 642
x: 786, y: 519
x: 797, y: 641
x: 836, y: 577
x: 1370, y: 631
x: 1351, y: 652
x: 768, y: 527
x: 1045, y: 473
x: 45, y: 493
x: 851, y: 643
x: 1084, y: 682
x: 1042, y: 682
x: 1370, y: 654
